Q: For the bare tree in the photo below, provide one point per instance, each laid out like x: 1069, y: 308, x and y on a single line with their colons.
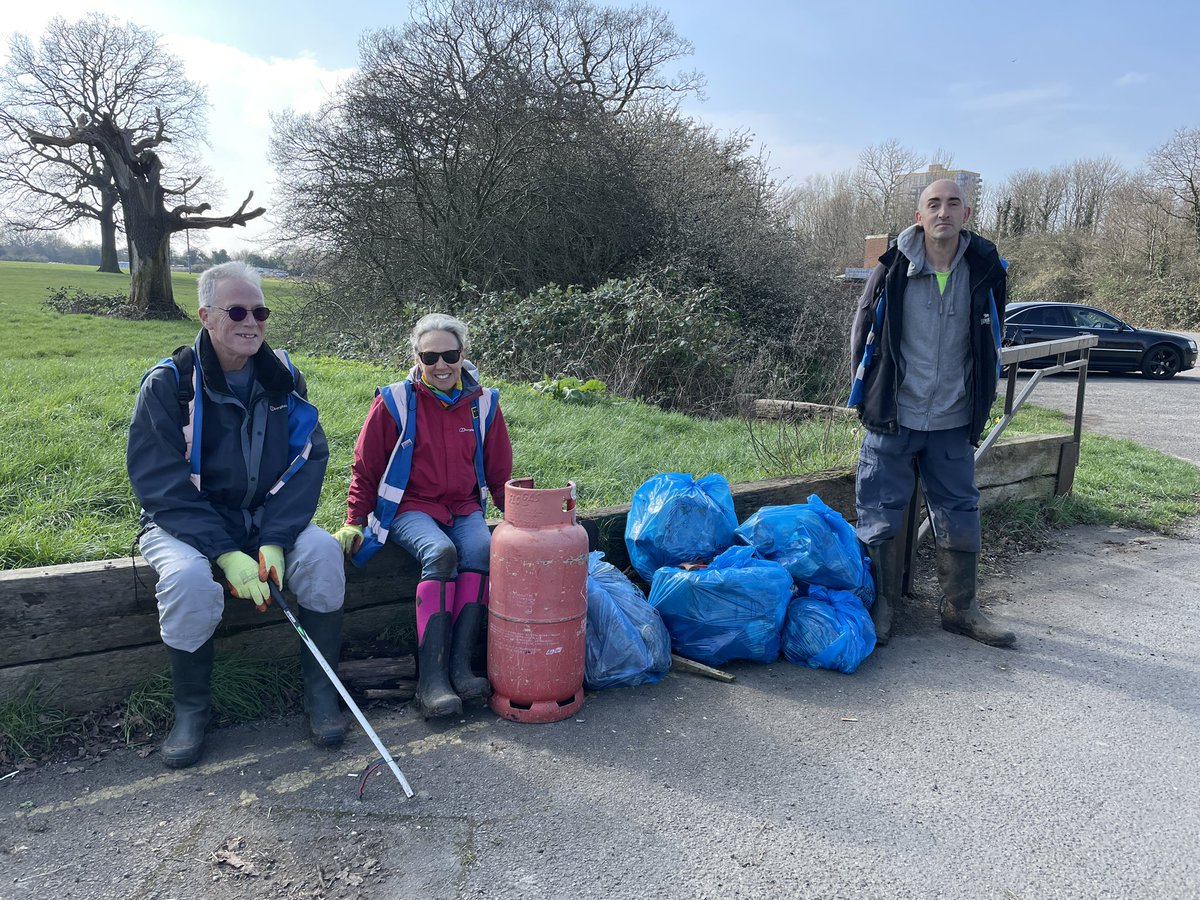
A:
x: 80, y: 72
x: 943, y: 157
x: 877, y: 177
x: 1175, y: 170
x: 466, y: 146
x: 1090, y: 187
x: 831, y: 219
x: 149, y: 223
x: 1139, y: 237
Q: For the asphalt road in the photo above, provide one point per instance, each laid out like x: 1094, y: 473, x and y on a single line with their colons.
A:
x: 942, y: 768
x: 1159, y: 414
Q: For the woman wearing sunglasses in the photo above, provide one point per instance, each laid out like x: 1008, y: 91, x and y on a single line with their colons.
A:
x: 431, y: 452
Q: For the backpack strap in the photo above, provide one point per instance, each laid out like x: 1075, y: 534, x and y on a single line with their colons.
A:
x: 185, y: 361
x: 182, y: 362
x: 483, y: 413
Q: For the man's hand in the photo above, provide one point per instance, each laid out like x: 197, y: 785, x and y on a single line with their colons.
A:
x: 350, y: 537
x: 270, y: 564
x: 241, y: 573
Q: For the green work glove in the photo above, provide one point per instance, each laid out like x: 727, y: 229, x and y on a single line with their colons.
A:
x: 270, y: 564
x: 241, y: 573
x: 350, y: 537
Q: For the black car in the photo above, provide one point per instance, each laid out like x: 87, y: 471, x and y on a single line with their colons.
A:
x: 1122, y: 348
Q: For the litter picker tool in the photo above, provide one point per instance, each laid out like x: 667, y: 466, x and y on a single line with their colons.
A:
x: 277, y: 596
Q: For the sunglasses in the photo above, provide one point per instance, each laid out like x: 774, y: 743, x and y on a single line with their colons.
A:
x: 430, y: 357
x: 239, y: 313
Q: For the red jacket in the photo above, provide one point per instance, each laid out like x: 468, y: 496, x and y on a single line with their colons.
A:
x: 442, y: 481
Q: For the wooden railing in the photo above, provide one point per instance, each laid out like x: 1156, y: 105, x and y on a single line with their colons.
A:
x: 918, y: 527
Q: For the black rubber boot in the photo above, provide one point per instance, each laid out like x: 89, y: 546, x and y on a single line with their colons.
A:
x: 958, y: 573
x: 467, y: 684
x: 887, y: 568
x: 326, y: 723
x: 435, y: 696
x: 191, y: 675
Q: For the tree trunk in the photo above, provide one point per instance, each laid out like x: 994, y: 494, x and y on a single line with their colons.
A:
x: 136, y: 171
x: 108, y: 234
x: 150, y: 290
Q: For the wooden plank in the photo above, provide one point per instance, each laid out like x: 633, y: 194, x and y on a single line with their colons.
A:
x: 798, y: 409
x: 378, y: 668
x: 1068, y: 462
x: 95, y: 680
x: 683, y: 664
x: 1041, y: 488
x: 63, y: 611
x: 1020, y: 458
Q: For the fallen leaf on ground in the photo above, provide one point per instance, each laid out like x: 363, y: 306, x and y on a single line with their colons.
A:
x: 227, y: 855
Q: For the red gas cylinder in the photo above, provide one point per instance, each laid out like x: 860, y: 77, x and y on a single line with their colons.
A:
x: 538, y: 606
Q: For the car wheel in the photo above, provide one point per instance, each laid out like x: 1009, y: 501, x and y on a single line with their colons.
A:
x: 1161, y: 362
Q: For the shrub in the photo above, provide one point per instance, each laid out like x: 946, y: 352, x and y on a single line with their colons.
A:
x: 1160, y: 303
x: 650, y: 338
x: 571, y: 390
x: 77, y: 301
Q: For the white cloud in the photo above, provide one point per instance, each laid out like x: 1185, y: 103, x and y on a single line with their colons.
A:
x: 788, y: 158
x: 1132, y: 78
x: 1038, y: 97
x: 243, y: 91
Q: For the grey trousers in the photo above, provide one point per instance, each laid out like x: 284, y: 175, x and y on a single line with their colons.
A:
x: 191, y: 601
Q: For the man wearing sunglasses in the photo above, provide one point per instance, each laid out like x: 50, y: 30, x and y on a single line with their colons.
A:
x: 227, y: 457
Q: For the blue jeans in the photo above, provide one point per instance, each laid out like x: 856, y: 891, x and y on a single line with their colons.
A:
x: 442, y: 550
x: 886, y: 478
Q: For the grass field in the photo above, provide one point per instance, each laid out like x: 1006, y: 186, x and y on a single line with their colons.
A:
x: 67, y: 386
x: 68, y: 382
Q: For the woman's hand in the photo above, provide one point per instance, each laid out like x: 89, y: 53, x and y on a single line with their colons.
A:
x: 350, y: 537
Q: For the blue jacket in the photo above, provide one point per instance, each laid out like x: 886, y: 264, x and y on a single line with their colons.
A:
x: 260, y: 468
x: 400, y: 400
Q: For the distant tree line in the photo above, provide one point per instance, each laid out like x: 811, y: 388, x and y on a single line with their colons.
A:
x: 47, y: 248
x: 1091, y: 231
x: 32, y: 247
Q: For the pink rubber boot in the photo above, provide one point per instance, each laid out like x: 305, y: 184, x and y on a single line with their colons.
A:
x: 471, y: 594
x: 435, y: 604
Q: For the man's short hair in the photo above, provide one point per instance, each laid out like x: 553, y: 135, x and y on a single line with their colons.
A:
x: 235, y: 270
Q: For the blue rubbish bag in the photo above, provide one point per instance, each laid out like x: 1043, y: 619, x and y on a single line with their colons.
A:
x: 813, y: 542
x: 627, y: 642
x: 733, y: 609
x: 828, y: 629
x: 675, y: 518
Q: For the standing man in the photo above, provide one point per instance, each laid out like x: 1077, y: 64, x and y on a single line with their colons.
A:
x: 926, y: 347
x: 227, y: 458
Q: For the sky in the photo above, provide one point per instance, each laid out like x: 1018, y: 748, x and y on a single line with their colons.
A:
x: 1001, y: 87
